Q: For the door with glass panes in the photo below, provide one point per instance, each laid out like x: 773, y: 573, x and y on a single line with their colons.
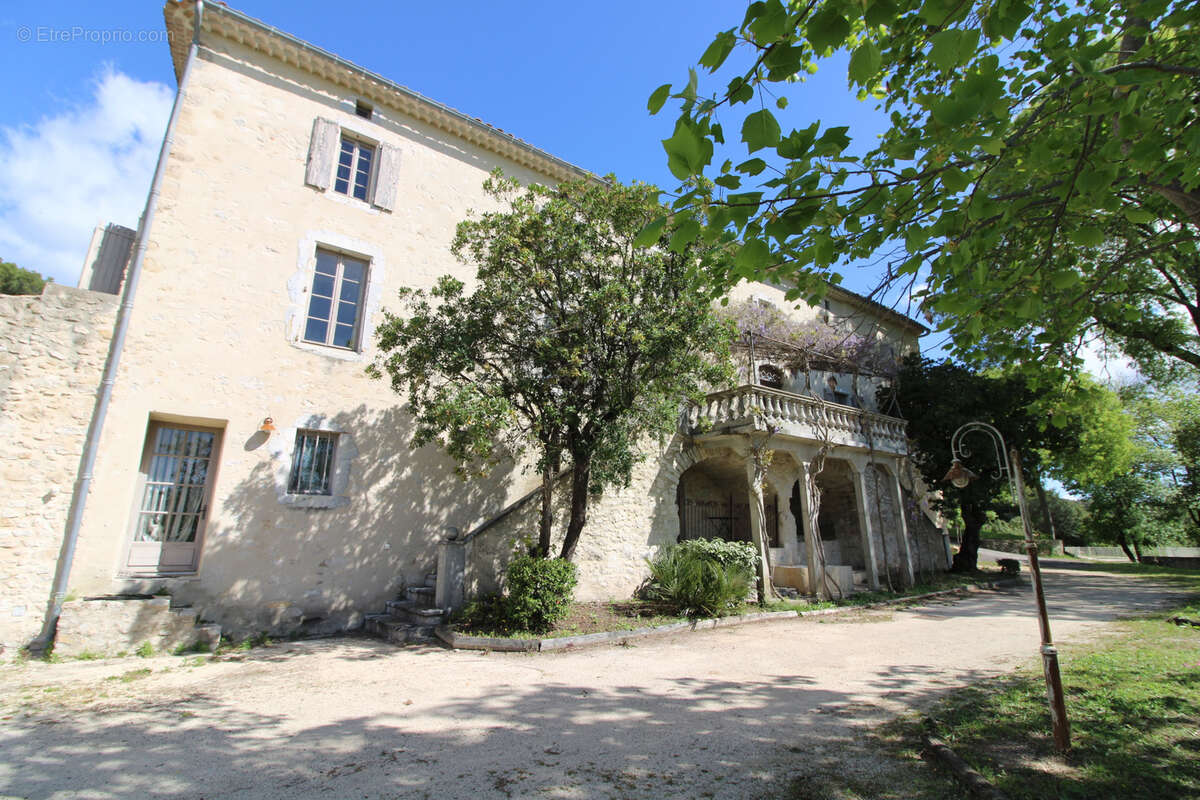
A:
x: 174, y: 494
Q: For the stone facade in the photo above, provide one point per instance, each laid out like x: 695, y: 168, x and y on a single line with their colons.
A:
x: 116, y: 626
x: 52, y: 353
x: 218, y: 344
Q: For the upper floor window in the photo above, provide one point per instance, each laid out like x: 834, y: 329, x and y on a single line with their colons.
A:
x: 770, y: 376
x: 335, y: 304
x: 355, y: 162
x: 357, y: 166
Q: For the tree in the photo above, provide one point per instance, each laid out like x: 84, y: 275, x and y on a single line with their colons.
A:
x: 1041, y: 171
x: 14, y: 280
x: 937, y: 398
x: 571, y: 339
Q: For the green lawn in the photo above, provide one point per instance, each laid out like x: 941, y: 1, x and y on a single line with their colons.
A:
x: 1133, y: 700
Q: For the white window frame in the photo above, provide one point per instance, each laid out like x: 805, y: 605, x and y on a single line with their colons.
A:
x: 359, y: 144
x: 306, y: 437
x: 335, y: 301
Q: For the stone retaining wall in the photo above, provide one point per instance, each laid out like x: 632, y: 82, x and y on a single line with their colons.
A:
x: 52, y: 353
x: 1046, y: 547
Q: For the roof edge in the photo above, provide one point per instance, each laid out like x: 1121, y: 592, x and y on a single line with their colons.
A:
x: 220, y: 20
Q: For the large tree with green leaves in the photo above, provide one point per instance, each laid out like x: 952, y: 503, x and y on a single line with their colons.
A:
x: 1047, y: 426
x: 15, y: 280
x: 569, y: 340
x: 1041, y: 171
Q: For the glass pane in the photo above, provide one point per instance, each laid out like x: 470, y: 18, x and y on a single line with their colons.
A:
x: 353, y: 269
x: 150, y: 528
x: 315, y: 330
x: 350, y: 291
x: 318, y: 307
x: 343, y: 335
x: 206, y: 445
x: 347, y: 313
x: 342, y: 184
x: 360, y: 190
x: 346, y: 156
x: 326, y: 263
x: 322, y: 285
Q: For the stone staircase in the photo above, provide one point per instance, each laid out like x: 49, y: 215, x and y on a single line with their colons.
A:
x: 409, y: 618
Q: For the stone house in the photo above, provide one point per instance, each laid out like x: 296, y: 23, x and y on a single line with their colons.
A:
x: 245, y: 464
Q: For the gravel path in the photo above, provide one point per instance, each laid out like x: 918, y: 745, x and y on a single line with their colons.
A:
x: 746, y: 712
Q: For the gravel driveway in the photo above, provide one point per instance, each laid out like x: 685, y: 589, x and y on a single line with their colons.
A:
x: 745, y: 712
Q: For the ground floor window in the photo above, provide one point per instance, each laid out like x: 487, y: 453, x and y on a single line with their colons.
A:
x: 312, y: 463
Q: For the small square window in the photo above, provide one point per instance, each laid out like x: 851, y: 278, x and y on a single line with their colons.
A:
x: 312, y: 463
x: 336, y: 301
x: 356, y: 162
x: 363, y: 109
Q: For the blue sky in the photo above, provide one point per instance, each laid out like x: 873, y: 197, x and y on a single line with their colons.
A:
x: 571, y: 78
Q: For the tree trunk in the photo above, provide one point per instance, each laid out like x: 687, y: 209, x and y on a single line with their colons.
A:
x: 1047, y: 520
x: 1125, y: 546
x: 580, y: 478
x: 547, y: 521
x: 967, y: 557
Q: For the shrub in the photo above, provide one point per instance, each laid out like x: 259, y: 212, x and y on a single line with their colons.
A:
x: 688, y: 578
x: 539, y: 592
x: 727, y: 554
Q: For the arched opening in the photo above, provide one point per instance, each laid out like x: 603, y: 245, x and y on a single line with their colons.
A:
x: 714, y: 503
x: 837, y: 520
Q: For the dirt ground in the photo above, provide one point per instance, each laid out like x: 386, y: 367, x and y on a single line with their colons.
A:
x: 759, y: 711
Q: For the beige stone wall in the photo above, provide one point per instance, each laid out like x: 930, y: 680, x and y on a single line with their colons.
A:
x: 213, y: 340
x: 52, y: 354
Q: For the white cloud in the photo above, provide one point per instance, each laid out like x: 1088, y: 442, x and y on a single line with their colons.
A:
x: 79, y: 168
x: 1107, y: 364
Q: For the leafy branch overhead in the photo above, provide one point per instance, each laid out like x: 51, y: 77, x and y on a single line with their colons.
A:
x: 571, y: 340
x: 1039, y: 181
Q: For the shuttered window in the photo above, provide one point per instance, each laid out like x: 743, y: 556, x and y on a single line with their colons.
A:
x: 336, y: 301
x: 354, y: 168
x: 359, y: 167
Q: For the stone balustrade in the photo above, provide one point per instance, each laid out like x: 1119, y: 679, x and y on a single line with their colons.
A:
x: 748, y: 408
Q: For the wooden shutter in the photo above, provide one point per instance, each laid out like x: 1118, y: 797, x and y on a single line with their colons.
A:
x: 387, y: 179
x: 322, y: 150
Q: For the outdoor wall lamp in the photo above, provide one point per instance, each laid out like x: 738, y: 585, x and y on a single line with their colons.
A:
x: 268, y: 426
x: 1008, y: 464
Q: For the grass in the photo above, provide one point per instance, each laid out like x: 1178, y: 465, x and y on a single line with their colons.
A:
x: 1133, y: 701
x: 938, y: 582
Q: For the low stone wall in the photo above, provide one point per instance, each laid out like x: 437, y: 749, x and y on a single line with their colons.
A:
x: 1046, y: 547
x: 52, y: 353
x: 108, y: 627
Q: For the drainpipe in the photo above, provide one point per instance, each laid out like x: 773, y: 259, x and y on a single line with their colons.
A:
x: 87, y: 463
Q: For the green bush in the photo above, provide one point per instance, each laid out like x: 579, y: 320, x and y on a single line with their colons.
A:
x: 696, y: 584
x: 539, y: 592
x: 727, y: 554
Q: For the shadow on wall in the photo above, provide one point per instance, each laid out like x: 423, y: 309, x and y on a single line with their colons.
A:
x: 273, y: 567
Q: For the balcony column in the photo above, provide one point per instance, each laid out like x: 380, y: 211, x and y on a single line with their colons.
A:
x: 864, y: 523
x: 816, y: 578
x: 756, y: 472
x: 902, y: 518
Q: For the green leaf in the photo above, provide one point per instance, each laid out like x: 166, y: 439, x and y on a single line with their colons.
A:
x: 752, y: 167
x: 781, y: 103
x: 687, y: 151
x: 864, y: 63
x: 1064, y: 280
x: 827, y: 28
x: 753, y: 256
x: 771, y: 23
x: 687, y: 232
x: 1088, y: 236
x: 1138, y: 216
x: 658, y: 97
x: 728, y: 181
x: 954, y: 180
x: 760, y: 130
x: 881, y: 12
x: 952, y: 48
x: 648, y: 235
x: 718, y: 51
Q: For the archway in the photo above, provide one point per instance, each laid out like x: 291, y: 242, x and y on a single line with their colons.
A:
x: 713, y: 498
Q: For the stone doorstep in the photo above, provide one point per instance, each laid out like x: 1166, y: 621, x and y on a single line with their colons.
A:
x: 109, y: 625
x: 460, y: 641
x: 397, y: 631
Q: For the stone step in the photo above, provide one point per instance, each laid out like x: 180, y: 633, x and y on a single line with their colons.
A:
x: 431, y: 580
x: 398, y: 631
x: 413, y: 612
x: 420, y: 595
x: 115, y: 624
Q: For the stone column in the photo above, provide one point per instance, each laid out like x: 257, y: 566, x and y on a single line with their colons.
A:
x: 451, y: 573
x: 864, y: 523
x: 816, y: 578
x: 789, y: 539
x: 758, y: 528
x: 901, y: 517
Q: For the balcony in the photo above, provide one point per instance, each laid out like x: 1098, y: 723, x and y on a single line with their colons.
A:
x: 757, y: 408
